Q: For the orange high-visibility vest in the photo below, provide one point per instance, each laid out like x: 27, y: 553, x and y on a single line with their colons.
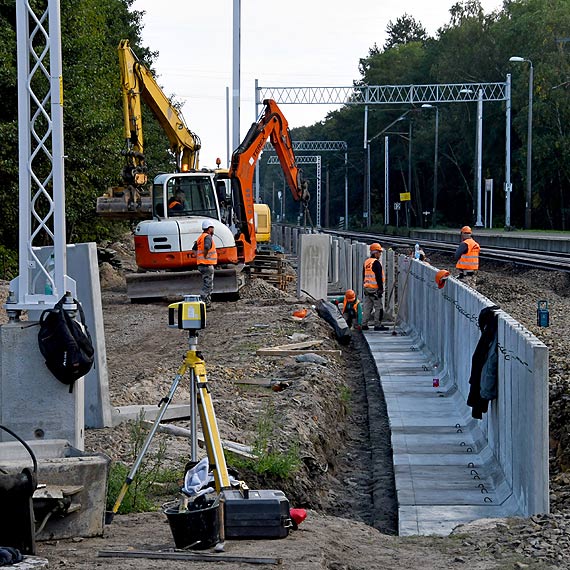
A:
x: 211, y: 258
x: 346, y: 303
x: 469, y: 261
x: 369, y: 275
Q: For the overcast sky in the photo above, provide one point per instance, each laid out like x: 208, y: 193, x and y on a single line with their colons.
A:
x: 298, y: 43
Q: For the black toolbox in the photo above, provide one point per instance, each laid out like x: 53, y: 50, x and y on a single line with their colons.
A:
x: 256, y: 514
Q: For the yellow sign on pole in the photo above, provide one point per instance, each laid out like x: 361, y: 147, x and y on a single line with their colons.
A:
x: 405, y: 197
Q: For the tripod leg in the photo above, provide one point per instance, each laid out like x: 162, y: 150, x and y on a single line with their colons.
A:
x: 212, y: 439
x: 130, y: 477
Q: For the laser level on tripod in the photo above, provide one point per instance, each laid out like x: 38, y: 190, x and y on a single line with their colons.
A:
x: 190, y: 315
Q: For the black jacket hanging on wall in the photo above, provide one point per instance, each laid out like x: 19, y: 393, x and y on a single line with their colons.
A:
x: 484, y: 364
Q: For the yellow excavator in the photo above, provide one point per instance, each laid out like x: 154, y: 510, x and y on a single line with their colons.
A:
x: 132, y: 199
x: 181, y: 201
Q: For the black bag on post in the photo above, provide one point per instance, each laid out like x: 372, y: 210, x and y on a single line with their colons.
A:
x: 65, y: 343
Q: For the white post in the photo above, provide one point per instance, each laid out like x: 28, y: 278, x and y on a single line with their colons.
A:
x: 479, y: 222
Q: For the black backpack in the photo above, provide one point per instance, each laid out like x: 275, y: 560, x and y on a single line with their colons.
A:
x: 65, y: 343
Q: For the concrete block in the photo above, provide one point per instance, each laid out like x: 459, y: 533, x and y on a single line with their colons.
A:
x: 33, y: 403
x: 62, y: 465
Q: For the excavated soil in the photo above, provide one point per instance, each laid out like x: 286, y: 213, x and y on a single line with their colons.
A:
x: 331, y: 413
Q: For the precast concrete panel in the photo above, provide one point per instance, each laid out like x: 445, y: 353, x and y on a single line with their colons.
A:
x: 287, y: 239
x: 313, y: 264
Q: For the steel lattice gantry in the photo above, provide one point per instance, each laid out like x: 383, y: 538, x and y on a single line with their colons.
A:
x: 320, y: 146
x: 41, y: 158
x: 406, y: 94
x: 307, y: 160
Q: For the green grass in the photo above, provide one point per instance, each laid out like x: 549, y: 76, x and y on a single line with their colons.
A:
x: 152, y: 480
x: 269, y: 460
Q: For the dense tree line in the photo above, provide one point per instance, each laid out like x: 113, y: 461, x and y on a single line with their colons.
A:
x: 93, y: 119
x: 471, y: 47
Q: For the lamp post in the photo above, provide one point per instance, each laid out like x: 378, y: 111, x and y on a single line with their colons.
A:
x: 435, y: 160
x: 368, y: 141
x: 528, y: 201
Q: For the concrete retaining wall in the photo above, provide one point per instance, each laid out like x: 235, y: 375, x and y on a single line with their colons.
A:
x: 516, y: 425
x: 445, y: 321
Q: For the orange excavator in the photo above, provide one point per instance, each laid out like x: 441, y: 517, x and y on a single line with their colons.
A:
x: 164, y: 244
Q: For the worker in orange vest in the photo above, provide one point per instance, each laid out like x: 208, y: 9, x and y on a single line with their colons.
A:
x: 351, y: 308
x: 467, y: 256
x: 373, y: 281
x: 207, y: 257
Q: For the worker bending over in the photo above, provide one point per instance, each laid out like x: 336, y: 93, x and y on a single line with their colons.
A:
x: 351, y: 308
x: 373, y: 278
x: 467, y: 257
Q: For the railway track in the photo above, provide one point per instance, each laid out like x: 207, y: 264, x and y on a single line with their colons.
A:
x: 529, y: 258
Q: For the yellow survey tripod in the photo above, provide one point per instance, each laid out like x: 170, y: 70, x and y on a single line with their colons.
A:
x: 190, y: 315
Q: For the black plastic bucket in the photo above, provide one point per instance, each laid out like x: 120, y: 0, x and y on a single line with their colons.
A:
x: 197, y: 528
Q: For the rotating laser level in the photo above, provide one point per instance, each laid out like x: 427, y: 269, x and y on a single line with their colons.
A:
x: 189, y: 314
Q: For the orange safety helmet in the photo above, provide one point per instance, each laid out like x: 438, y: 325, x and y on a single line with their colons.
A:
x: 350, y: 295
x: 441, y: 277
x: 375, y: 247
x: 465, y: 230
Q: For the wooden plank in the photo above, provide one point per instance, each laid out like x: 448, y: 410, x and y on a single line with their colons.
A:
x: 177, y: 431
x: 285, y: 352
x: 295, y: 345
x: 188, y: 556
x: 255, y: 382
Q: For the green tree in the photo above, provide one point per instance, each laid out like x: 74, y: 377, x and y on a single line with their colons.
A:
x: 404, y: 31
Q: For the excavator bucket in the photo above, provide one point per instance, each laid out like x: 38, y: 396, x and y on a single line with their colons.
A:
x: 164, y: 284
x: 120, y: 204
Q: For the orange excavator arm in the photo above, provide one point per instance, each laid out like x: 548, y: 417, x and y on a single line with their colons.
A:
x: 272, y: 125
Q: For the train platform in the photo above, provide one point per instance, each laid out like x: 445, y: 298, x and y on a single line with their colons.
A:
x: 445, y: 473
x: 551, y: 242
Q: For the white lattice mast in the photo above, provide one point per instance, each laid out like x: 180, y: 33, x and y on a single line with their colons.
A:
x: 308, y: 160
x: 41, y: 155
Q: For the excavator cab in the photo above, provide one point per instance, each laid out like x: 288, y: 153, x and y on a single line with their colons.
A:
x: 184, y: 195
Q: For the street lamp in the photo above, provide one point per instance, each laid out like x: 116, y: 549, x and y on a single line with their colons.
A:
x: 435, y: 160
x: 528, y: 205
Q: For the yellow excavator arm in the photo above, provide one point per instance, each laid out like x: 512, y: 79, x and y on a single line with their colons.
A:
x: 139, y: 84
x: 132, y: 200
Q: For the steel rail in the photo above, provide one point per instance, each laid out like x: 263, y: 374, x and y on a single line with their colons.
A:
x: 536, y: 259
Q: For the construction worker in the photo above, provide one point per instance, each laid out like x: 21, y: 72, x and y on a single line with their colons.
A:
x: 207, y: 258
x: 351, y: 308
x: 467, y: 257
x: 177, y: 202
x: 373, y: 279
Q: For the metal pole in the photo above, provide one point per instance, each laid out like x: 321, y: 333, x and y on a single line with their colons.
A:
x: 386, y: 184
x: 435, y: 166
x: 227, y: 127
x: 236, y: 77
x: 367, y: 166
x: 368, y: 216
x: 528, y: 207
x: 479, y: 222
x: 508, y: 153
x: 346, y: 190
x: 258, y: 162
x: 409, y: 173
